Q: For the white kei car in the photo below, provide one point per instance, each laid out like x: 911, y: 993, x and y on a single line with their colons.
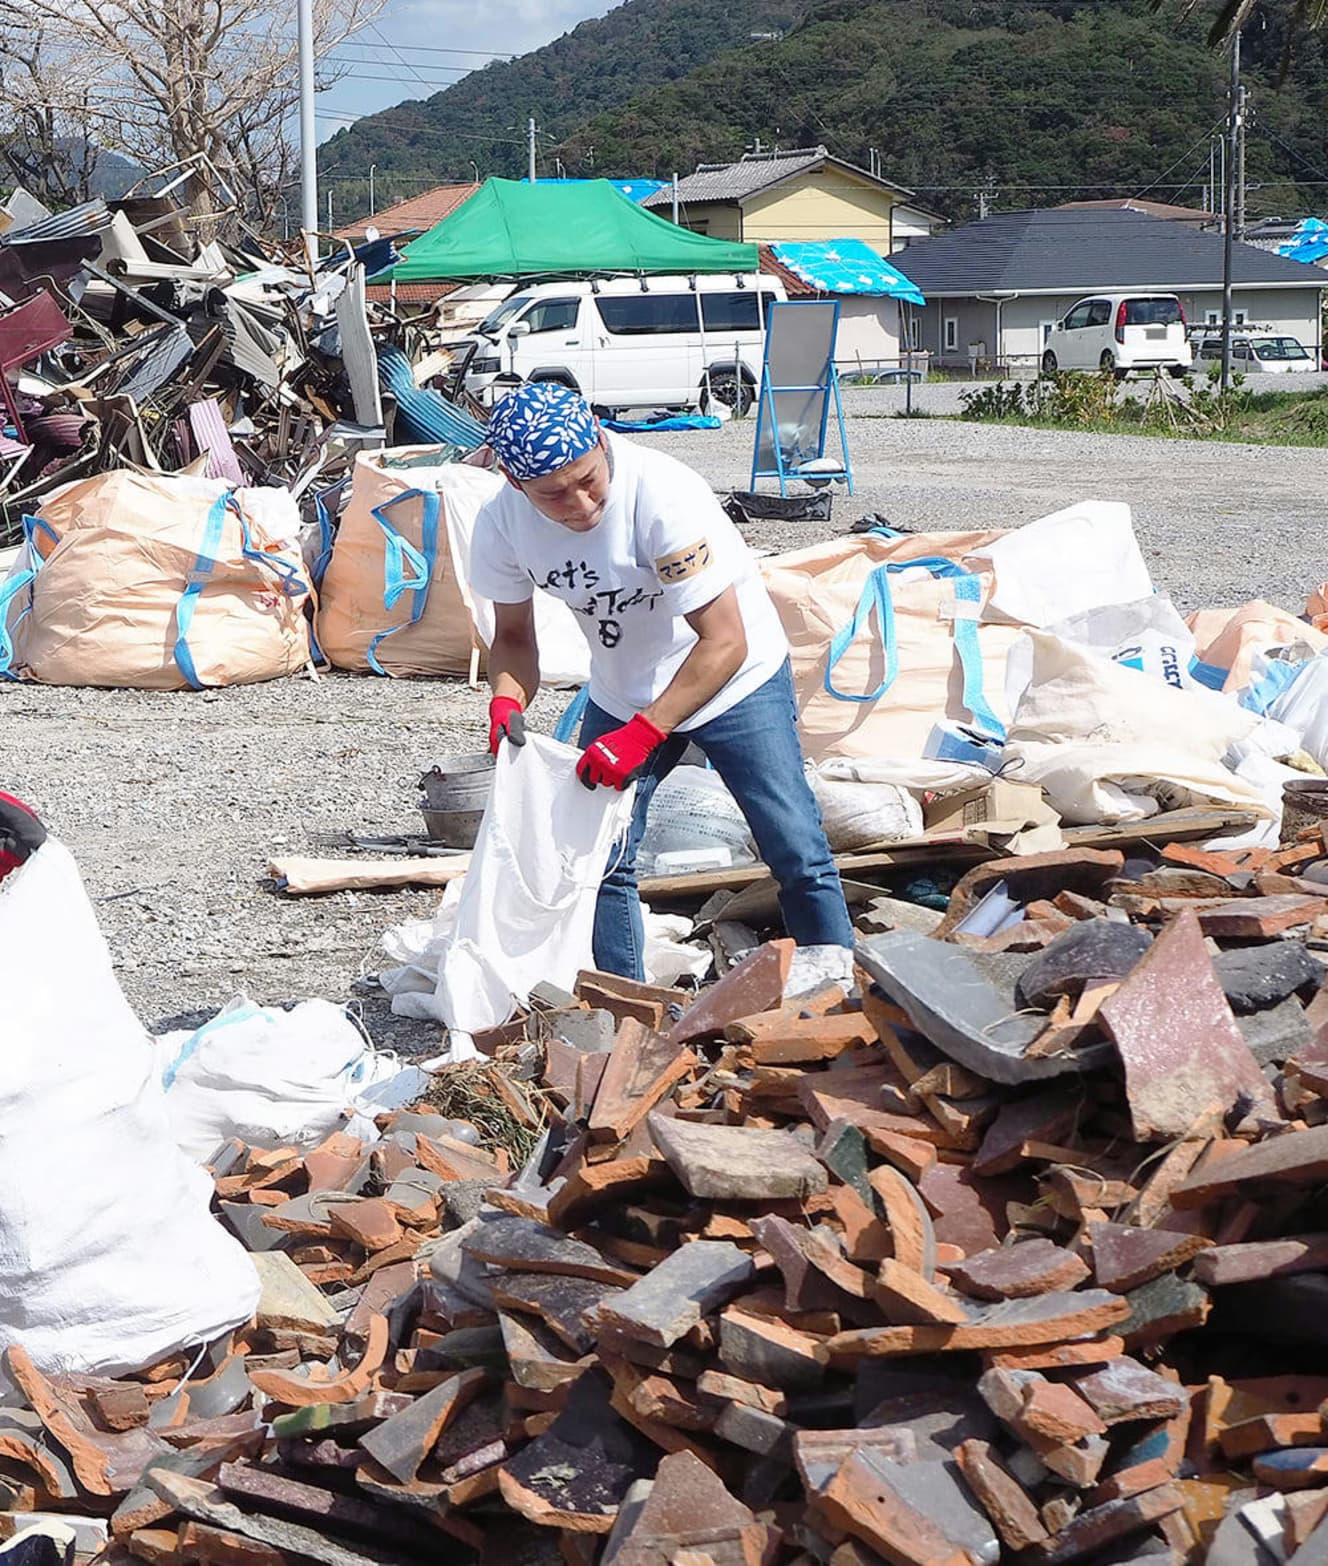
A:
x: 1120, y: 333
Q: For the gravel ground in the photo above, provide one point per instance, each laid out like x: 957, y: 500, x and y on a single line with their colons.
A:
x: 173, y: 803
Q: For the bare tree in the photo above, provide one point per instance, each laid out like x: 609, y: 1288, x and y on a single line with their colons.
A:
x: 207, y: 85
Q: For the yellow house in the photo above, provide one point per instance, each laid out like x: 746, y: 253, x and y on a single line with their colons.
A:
x: 803, y: 195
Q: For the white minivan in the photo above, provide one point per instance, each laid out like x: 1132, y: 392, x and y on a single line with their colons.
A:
x: 1120, y: 333
x: 628, y: 342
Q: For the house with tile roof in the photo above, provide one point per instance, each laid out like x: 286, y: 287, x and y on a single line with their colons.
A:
x: 805, y: 194
x: 995, y: 288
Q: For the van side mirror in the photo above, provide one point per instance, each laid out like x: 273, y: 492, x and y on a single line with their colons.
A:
x: 519, y: 329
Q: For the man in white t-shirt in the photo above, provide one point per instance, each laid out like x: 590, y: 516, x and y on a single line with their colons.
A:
x: 685, y: 645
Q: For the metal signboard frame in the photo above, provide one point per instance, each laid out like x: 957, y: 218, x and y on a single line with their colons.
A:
x: 799, y: 385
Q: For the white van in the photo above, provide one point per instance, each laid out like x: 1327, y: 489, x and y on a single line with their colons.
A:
x: 629, y: 342
x: 1120, y: 333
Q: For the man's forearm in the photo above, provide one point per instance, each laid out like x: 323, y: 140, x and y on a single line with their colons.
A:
x: 514, y: 668
x: 704, y: 672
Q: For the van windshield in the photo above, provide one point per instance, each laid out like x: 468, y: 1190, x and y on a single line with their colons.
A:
x: 1279, y: 348
x: 494, y: 322
x: 1153, y: 312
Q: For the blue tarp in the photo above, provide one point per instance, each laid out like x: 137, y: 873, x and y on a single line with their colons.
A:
x: 1309, y: 243
x: 675, y: 421
x: 637, y: 190
x: 846, y: 266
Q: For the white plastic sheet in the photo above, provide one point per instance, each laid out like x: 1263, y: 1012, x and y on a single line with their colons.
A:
x: 109, y: 1256
x: 277, y: 1078
x: 1080, y: 558
x: 1108, y: 744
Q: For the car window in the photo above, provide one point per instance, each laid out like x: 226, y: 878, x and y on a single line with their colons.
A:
x: 1279, y: 348
x: 504, y: 313
x: 735, y: 312
x: 1077, y: 318
x: 630, y: 315
x: 1153, y: 312
x: 552, y: 315
x: 1099, y: 312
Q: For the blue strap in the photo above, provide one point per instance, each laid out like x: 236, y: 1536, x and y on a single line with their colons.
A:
x: 876, y: 595
x: 570, y: 721
x: 292, y: 585
x: 326, y: 527
x: 1208, y: 675
x: 968, y: 606
x: 204, y: 565
x: 398, y: 553
x: 14, y: 585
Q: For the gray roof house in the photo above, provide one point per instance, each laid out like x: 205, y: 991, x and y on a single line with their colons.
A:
x: 996, y: 287
x: 807, y: 194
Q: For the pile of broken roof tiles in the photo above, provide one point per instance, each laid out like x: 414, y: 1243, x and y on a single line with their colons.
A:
x: 1019, y: 1249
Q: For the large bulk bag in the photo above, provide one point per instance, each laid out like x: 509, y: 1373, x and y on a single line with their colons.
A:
x: 396, y: 597
x: 109, y: 1256
x: 157, y: 582
x: 1228, y: 641
x: 887, y: 640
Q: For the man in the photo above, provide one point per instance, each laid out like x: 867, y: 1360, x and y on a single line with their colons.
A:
x: 685, y: 645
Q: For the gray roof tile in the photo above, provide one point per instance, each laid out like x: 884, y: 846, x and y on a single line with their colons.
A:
x: 1069, y: 249
x: 753, y: 173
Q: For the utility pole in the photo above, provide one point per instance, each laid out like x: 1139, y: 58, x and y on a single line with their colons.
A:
x: 372, y: 206
x: 530, y: 145
x: 675, y: 200
x: 1242, y: 117
x: 308, y: 134
x: 329, y: 209
x: 1235, y: 137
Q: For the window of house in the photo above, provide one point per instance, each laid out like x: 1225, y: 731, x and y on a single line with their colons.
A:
x: 552, y: 315
x: 735, y: 312
x: 1212, y: 318
x: 635, y: 315
x: 951, y: 334
x: 1239, y: 318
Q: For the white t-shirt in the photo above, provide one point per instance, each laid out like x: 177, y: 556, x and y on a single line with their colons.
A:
x: 662, y: 549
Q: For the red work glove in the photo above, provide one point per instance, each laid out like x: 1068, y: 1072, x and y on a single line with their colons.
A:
x: 507, y: 721
x: 21, y: 834
x: 616, y: 758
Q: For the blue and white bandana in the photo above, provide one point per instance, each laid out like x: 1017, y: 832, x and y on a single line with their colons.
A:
x: 540, y: 428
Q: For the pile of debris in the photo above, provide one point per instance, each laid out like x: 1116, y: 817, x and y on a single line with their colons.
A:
x: 1013, y: 1247
x: 126, y: 339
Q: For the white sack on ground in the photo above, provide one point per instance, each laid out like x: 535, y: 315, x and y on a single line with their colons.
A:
x: 1303, y: 707
x: 692, y: 812
x: 1147, y: 635
x: 109, y: 1256
x: 277, y: 1078
x: 857, y: 810
x: 1060, y: 565
x: 527, y: 906
x: 1107, y: 744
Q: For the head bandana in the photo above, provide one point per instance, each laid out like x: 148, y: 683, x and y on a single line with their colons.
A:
x: 541, y: 427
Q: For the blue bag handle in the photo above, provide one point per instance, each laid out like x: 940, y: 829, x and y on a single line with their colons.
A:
x: 10, y: 589
x: 205, y: 563
x: 398, y: 554
x: 876, y: 595
x: 326, y: 527
x: 570, y: 721
x: 288, y: 575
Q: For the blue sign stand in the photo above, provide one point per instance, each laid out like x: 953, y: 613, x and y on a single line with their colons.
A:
x: 799, y: 383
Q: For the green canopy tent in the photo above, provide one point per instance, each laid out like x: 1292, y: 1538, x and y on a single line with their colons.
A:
x: 510, y: 228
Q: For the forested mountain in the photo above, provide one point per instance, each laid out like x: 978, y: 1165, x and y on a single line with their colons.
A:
x: 597, y: 66
x: 1032, y: 103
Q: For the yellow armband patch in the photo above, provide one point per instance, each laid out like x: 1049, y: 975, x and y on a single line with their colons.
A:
x: 683, y: 563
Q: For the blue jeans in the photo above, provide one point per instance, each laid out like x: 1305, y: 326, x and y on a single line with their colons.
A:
x: 754, y: 747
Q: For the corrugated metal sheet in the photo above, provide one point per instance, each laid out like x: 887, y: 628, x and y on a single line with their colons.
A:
x: 90, y: 218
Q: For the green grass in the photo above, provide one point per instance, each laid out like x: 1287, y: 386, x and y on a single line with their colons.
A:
x: 1241, y: 416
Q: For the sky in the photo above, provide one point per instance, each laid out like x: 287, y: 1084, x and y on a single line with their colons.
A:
x: 415, y: 48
